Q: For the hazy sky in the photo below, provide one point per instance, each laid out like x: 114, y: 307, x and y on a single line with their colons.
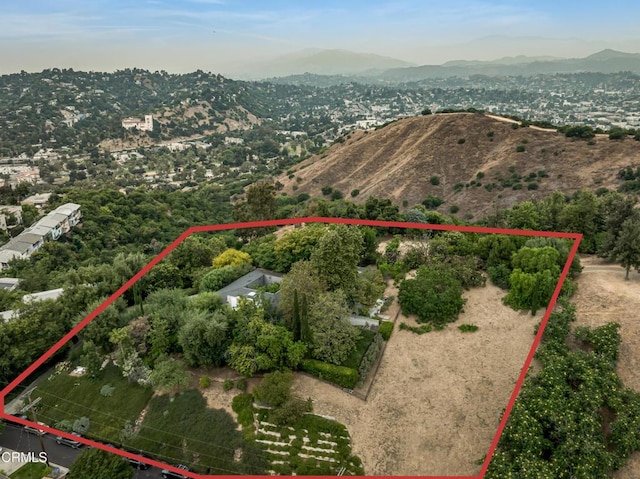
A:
x: 218, y: 35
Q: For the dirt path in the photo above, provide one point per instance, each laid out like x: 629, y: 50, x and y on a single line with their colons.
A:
x: 604, y: 296
x: 436, y: 401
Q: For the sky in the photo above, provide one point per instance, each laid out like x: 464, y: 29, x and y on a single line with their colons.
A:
x: 224, y: 36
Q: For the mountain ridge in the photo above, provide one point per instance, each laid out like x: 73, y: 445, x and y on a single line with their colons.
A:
x: 474, y: 158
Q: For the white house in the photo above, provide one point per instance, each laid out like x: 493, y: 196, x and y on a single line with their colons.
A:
x: 141, y: 125
x: 71, y: 211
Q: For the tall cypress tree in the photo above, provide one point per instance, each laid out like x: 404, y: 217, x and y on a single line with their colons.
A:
x: 305, y: 331
x: 296, y: 317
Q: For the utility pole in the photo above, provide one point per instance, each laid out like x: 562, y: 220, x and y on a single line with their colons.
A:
x: 35, y: 419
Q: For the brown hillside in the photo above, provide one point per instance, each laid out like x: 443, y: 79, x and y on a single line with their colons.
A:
x: 397, y: 162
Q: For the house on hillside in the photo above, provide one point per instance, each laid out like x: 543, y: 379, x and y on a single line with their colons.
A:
x: 9, y: 284
x: 251, y: 286
x: 10, y: 216
x: 51, y: 224
x: 39, y: 200
x: 71, y: 211
x: 7, y: 255
x: 138, y: 123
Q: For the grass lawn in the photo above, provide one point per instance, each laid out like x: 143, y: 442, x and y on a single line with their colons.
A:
x: 66, y: 397
x: 31, y: 470
x: 354, y: 359
x: 184, y: 430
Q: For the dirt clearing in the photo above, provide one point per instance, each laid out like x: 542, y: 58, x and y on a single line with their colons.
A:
x: 436, y: 402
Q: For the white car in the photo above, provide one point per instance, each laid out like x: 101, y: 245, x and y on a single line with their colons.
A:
x: 33, y: 430
x: 69, y: 442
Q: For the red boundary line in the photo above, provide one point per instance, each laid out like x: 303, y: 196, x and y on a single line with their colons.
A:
x: 292, y: 221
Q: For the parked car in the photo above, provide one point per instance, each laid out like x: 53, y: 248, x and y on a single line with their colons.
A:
x: 174, y: 475
x: 138, y: 464
x: 69, y: 442
x: 33, y: 430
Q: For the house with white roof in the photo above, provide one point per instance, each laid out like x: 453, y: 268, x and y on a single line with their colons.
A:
x: 72, y: 211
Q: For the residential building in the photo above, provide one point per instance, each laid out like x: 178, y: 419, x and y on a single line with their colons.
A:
x: 39, y: 200
x: 10, y: 216
x: 54, y: 225
x: 247, y: 287
x: 51, y: 227
x: 72, y: 211
x: 9, y: 284
x: 139, y: 124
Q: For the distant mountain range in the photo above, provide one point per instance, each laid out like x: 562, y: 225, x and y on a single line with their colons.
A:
x: 606, y: 61
x: 376, y: 68
x: 322, y: 62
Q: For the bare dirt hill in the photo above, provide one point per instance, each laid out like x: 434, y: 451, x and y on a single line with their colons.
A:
x: 399, y: 160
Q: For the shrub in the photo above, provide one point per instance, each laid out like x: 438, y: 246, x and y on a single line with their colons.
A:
x: 435, y: 295
x: 461, y: 141
x: 499, y: 275
x: 489, y: 134
x: 468, y: 328
x: 514, y: 126
x: 355, y: 193
x: 275, y: 389
x: 517, y: 186
x: 81, y: 425
x: 479, y: 175
x: 432, y: 202
x: 242, y: 406
x: 426, y: 111
x: 341, y: 375
x: 336, y: 195
x: 289, y: 413
x: 434, y: 180
x: 220, y: 277
x: 457, y: 187
x: 532, y: 186
x: 579, y: 131
x: 205, y: 382
x: 617, y: 133
x: 454, y: 209
x: 422, y: 329
x: 520, y: 148
x: 107, y: 390
x: 385, y: 330
x: 241, y: 384
x: 227, y: 385
x: 326, y: 190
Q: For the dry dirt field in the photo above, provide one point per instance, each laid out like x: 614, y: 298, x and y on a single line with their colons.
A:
x: 436, y: 401
x: 604, y: 296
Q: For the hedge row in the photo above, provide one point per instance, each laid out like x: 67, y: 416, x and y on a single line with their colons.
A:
x: 341, y: 375
x: 370, y: 358
x: 385, y: 330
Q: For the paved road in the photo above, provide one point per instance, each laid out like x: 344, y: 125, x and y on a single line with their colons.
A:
x: 14, y: 437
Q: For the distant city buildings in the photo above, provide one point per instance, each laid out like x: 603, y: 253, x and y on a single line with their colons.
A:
x: 139, y: 124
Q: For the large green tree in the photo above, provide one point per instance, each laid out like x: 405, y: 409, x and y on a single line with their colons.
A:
x: 99, y: 464
x: 336, y: 257
x: 204, y: 338
x: 627, y: 246
x: 304, y: 279
x: 259, y: 345
x: 333, y: 336
x: 169, y: 375
x: 435, y: 296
